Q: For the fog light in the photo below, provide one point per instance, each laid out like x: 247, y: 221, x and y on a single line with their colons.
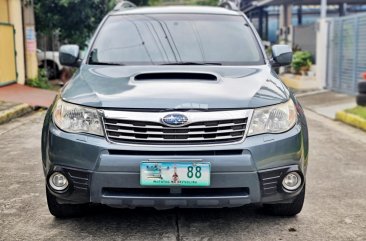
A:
x: 58, y: 181
x: 292, y: 181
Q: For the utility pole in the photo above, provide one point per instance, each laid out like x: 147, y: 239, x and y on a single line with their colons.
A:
x: 322, y: 46
x: 323, y: 9
x: 31, y: 63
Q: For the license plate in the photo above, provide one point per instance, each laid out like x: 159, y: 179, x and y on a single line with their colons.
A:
x: 174, y: 174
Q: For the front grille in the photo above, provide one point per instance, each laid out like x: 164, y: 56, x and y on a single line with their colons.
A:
x: 150, y: 133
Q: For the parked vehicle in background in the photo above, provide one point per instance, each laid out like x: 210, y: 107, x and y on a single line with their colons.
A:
x: 50, y: 61
x: 163, y: 112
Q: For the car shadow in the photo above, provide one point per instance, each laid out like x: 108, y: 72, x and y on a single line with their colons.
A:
x: 172, y: 224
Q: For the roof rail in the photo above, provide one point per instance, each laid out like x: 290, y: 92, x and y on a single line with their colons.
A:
x: 124, y: 5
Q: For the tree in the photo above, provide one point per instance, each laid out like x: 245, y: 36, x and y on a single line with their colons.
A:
x: 76, y: 20
x: 73, y: 20
x: 183, y: 2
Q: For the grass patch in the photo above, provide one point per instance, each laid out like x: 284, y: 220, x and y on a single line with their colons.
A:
x: 358, y: 110
x: 41, y: 81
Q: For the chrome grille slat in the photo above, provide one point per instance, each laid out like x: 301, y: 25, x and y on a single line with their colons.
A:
x: 145, y: 128
x: 161, y: 126
x: 176, y: 133
x: 175, y: 140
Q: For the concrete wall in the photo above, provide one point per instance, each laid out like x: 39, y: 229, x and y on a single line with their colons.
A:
x: 4, y: 15
x: 15, y: 18
x: 304, y: 37
x: 321, y: 50
x: 11, y: 11
x: 30, y: 42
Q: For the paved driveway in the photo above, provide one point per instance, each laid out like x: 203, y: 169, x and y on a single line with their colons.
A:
x: 335, y: 207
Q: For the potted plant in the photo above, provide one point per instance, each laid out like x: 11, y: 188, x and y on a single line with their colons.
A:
x: 301, y: 62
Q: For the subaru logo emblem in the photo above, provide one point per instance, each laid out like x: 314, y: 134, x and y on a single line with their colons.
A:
x: 175, y: 120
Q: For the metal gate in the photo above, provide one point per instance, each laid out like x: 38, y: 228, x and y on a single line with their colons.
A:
x: 346, y: 53
x: 8, y: 71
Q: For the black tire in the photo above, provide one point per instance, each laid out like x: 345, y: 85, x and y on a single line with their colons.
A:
x: 64, y: 210
x: 361, y: 99
x: 362, y: 87
x: 286, y: 209
x: 52, y: 72
x: 51, y: 68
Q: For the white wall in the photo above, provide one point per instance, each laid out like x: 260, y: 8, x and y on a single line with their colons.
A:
x: 15, y: 18
x: 321, y: 51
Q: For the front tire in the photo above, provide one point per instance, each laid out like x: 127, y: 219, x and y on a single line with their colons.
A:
x: 286, y: 209
x: 64, y: 210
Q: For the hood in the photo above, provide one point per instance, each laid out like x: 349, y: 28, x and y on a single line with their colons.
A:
x: 122, y: 87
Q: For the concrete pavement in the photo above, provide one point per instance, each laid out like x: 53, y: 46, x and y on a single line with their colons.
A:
x: 29, y: 95
x: 335, y: 205
x: 17, y: 100
x: 327, y: 103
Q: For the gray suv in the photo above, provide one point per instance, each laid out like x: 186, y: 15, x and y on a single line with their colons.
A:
x: 175, y: 107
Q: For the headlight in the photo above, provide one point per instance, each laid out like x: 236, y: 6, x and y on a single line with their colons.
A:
x: 76, y: 118
x: 273, y: 119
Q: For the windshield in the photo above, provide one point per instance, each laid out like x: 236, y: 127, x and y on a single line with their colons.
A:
x: 158, y: 39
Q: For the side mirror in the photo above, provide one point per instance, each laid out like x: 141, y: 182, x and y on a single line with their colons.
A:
x: 281, y: 55
x: 69, y: 55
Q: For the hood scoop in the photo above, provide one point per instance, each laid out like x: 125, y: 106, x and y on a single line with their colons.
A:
x: 175, y: 76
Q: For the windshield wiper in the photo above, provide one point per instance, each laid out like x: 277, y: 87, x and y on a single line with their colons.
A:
x: 193, y: 63
x: 105, y: 63
x: 93, y: 59
x: 184, y: 109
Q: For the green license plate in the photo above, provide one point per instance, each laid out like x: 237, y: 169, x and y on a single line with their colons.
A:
x: 175, y: 174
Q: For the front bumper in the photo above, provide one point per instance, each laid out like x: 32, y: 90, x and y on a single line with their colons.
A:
x: 106, y: 173
x: 226, y: 190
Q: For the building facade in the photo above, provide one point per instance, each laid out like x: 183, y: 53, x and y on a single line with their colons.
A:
x: 18, y: 46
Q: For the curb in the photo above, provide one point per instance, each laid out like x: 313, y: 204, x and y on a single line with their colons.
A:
x: 290, y: 82
x: 311, y: 92
x: 14, y: 112
x: 298, y: 84
x: 351, y: 119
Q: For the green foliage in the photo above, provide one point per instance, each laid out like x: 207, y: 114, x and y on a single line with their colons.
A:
x: 269, y: 52
x: 301, y: 59
x: 139, y: 2
x: 183, y: 2
x: 74, y: 20
x: 41, y: 81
